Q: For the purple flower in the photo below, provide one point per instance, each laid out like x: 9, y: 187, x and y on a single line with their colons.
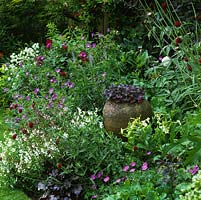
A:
x: 82, y: 54
x: 51, y: 90
x: 54, y: 96
x: 36, y: 91
x: 126, y: 168
x: 149, y: 153
x: 106, y: 179
x: 194, y: 170
x: 69, y: 84
x: 48, y: 43
x: 92, y: 34
x: 27, y: 73
x: 93, y: 45
x: 88, y: 45
x: 5, y: 90
x: 144, y: 166
x: 93, y: 177
x: 53, y: 80
x: 20, y: 64
x: 28, y: 98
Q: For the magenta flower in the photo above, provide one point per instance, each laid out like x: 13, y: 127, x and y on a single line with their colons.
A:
x: 54, y: 97
x: 118, y: 180
x: 106, y: 179
x: 99, y: 174
x: 194, y: 170
x: 93, y: 177
x: 144, y: 166
x: 82, y: 54
x: 125, y: 169
x: 94, y: 196
x: 148, y: 153
x: 51, y: 90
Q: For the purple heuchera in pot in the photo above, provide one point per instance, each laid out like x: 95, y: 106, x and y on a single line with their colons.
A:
x: 124, y: 94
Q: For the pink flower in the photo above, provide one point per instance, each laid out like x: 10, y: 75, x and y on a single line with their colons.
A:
x: 93, y: 177
x: 118, y: 180
x: 125, y: 169
x: 144, y: 166
x: 194, y: 170
x: 148, y: 153
x: 106, y: 179
x: 132, y: 170
x: 133, y: 164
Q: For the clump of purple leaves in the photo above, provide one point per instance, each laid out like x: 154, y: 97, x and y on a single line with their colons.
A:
x: 124, y: 94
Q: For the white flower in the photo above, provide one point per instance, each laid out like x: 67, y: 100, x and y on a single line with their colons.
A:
x: 166, y: 61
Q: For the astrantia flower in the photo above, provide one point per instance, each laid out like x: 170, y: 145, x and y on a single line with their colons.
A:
x: 194, y: 170
x: 63, y: 74
x: 48, y: 43
x: 177, y: 23
x: 144, y: 166
x: 199, y: 60
x: 189, y: 68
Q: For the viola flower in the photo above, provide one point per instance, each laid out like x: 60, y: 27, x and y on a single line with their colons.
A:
x: 125, y: 168
x: 106, y: 179
x: 30, y: 125
x: 194, y: 170
x: 14, y: 136
x: 144, y: 166
x: 48, y: 43
x: 177, y: 23
x: 178, y: 41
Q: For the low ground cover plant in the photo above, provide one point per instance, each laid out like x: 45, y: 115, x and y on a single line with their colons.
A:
x: 55, y: 145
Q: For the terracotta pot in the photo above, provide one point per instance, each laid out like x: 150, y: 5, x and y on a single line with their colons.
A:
x: 117, y: 115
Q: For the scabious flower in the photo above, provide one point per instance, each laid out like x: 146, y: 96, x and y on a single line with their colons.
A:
x: 194, y: 170
x: 144, y: 166
x: 177, y: 23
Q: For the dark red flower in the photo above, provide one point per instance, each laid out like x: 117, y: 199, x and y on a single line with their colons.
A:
x: 48, y: 43
x: 63, y: 74
x: 185, y: 59
x: 199, y: 60
x: 15, y: 106
x: 30, y: 124
x: 24, y: 131
x: 189, y: 68
x: 135, y: 148
x: 64, y: 46
x: 177, y: 23
x: 164, y: 5
x: 199, y: 17
x: 178, y: 41
x: 20, y: 110
x: 59, y: 165
x: 14, y: 136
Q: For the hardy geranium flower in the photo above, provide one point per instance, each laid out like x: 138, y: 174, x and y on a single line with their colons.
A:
x: 126, y: 168
x: 48, y: 43
x: 144, y: 166
x: 106, y: 179
x: 177, y: 23
x: 93, y: 177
